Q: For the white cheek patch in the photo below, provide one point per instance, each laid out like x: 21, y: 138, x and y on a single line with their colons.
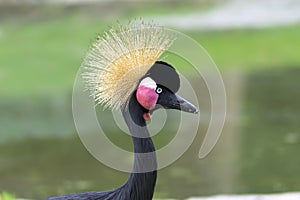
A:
x: 148, y: 82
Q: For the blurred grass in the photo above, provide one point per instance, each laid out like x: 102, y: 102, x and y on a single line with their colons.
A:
x: 42, y: 56
x: 7, y: 196
x: 253, y: 49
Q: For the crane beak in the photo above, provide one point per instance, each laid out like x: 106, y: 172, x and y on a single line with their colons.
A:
x: 174, y: 101
x: 180, y: 103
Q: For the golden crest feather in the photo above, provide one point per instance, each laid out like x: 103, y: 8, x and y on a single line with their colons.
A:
x: 118, y: 60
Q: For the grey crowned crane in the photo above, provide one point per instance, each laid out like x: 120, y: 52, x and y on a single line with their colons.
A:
x: 122, y: 71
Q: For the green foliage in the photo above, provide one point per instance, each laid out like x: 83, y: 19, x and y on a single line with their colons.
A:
x: 253, y: 49
x: 7, y: 196
x: 42, y: 56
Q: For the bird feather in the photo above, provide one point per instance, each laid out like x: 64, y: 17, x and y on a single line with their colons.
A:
x: 118, y: 60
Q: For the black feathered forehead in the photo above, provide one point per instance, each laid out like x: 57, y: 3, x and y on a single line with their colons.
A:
x: 164, y: 74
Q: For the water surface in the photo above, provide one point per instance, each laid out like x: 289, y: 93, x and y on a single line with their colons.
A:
x: 41, y: 154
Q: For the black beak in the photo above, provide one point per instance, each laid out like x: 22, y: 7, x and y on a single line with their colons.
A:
x: 183, y: 105
x: 170, y: 100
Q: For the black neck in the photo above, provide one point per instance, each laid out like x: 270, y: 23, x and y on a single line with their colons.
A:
x: 143, y: 178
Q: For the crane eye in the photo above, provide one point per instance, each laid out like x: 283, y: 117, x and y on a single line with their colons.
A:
x: 158, y: 90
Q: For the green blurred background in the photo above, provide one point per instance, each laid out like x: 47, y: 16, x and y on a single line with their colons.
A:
x: 43, y: 43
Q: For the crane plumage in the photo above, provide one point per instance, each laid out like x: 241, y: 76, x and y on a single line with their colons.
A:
x: 122, y: 70
x: 116, y: 61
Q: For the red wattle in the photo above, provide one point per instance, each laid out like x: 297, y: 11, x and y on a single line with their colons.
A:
x: 147, y: 116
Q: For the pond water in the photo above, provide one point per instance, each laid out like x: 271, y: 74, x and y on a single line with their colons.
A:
x: 41, y: 154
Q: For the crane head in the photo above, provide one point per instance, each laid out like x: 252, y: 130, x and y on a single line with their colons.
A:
x: 158, y: 89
